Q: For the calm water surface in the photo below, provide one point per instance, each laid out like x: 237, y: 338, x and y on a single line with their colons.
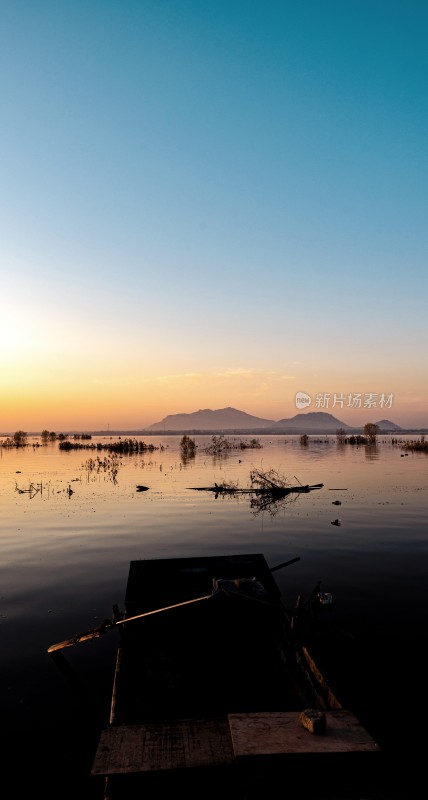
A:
x: 66, y: 547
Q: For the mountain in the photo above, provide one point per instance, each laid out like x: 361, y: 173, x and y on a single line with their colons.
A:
x: 206, y: 419
x: 231, y: 419
x: 313, y: 422
x: 387, y: 425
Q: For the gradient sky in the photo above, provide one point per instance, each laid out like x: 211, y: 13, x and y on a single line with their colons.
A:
x: 210, y: 204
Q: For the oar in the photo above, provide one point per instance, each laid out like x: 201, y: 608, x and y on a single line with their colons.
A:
x: 108, y: 625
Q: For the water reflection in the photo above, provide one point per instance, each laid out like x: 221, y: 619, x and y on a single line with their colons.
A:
x: 65, y: 558
x: 109, y: 465
x: 187, y: 449
x: 371, y: 452
x: 267, y: 491
x: 260, y: 504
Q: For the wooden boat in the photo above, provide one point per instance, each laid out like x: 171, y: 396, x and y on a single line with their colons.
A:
x: 214, y: 692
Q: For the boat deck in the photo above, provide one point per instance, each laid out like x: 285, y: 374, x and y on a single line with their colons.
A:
x: 196, y: 743
x: 219, y: 655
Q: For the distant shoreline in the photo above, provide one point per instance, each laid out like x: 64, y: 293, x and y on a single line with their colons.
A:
x: 231, y: 432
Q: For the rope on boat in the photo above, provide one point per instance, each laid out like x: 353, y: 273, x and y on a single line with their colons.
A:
x: 243, y: 595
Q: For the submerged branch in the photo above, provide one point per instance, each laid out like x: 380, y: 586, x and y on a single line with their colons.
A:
x: 269, y: 481
x: 269, y: 490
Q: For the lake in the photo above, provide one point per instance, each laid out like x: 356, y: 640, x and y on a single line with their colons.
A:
x: 71, y: 522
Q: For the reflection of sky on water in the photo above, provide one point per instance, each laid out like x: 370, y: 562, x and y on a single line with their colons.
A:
x: 65, y: 556
x: 55, y: 537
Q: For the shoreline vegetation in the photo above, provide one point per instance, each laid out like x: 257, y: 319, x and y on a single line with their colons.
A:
x: 125, y: 446
x: 420, y: 444
x: 221, y: 444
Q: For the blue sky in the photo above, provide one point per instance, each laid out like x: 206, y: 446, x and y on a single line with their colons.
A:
x: 211, y: 204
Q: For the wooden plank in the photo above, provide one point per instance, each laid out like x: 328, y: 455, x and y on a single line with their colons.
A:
x: 184, y: 744
x: 281, y: 733
x: 172, y: 745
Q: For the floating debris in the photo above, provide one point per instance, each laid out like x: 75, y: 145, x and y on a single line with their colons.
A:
x: 261, y: 483
x: 33, y: 489
x: 268, y: 491
x: 336, y: 503
x: 336, y: 522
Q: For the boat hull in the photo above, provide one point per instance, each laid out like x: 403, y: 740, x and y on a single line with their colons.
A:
x: 214, y: 685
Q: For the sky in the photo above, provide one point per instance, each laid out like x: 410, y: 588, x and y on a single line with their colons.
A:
x: 212, y: 204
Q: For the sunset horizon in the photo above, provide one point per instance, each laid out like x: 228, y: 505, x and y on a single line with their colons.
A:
x: 212, y: 207
x: 355, y: 418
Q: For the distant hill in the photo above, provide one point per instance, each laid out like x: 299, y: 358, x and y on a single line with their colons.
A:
x: 231, y: 419
x: 317, y: 422
x: 387, y: 425
x: 208, y: 420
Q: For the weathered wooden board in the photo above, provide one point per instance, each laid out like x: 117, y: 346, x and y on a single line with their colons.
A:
x: 281, y: 733
x: 184, y: 744
x: 172, y: 745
